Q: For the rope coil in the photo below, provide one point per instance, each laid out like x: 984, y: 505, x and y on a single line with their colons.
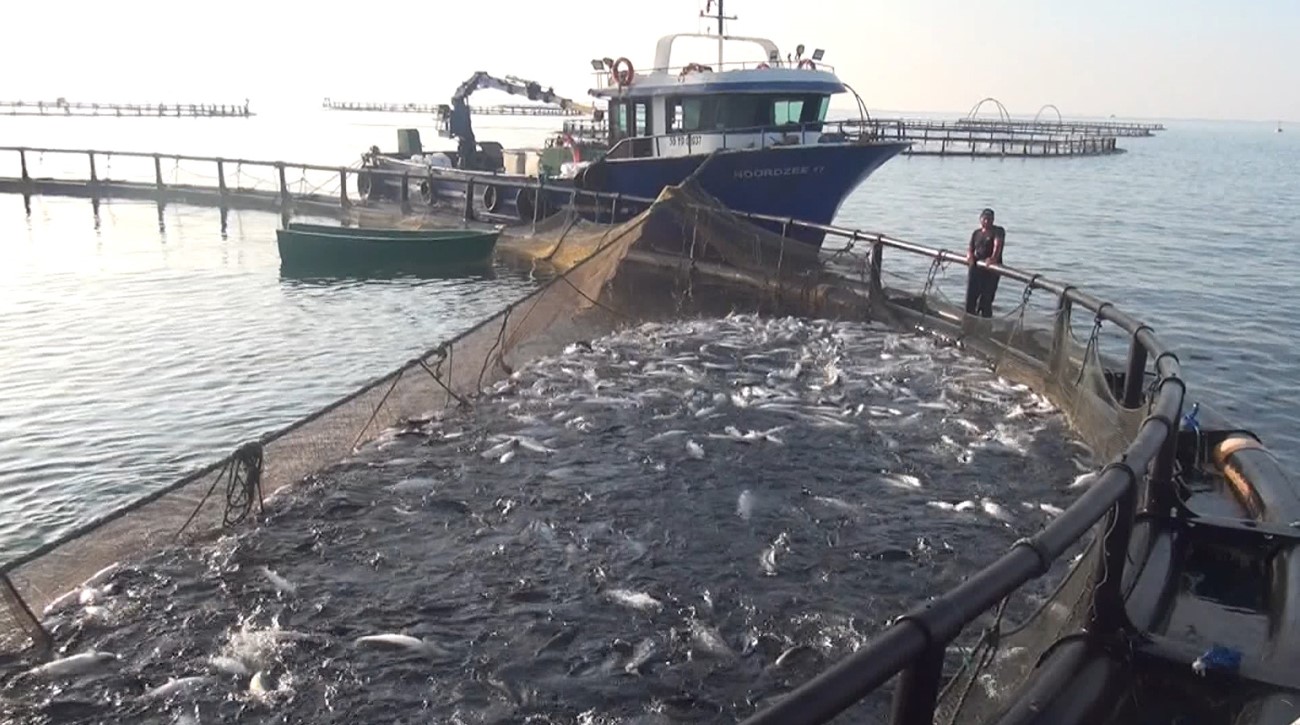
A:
x: 242, y: 473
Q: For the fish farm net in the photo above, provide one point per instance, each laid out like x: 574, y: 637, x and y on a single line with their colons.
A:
x: 684, y: 256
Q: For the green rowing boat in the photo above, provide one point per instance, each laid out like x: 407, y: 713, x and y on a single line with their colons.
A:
x: 311, y: 246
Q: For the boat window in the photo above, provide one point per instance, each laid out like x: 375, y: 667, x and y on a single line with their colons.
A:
x: 676, y: 116
x: 620, y: 120
x: 642, y: 127
x: 788, y: 111
x: 698, y: 114
x: 747, y: 110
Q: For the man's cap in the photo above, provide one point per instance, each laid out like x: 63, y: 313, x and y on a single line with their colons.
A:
x: 986, y: 213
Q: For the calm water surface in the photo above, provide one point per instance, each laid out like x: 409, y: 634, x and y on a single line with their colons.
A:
x: 134, y: 350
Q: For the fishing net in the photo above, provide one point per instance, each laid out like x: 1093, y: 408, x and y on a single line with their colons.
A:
x: 684, y: 255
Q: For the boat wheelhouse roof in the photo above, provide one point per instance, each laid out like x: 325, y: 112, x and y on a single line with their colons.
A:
x: 697, y: 79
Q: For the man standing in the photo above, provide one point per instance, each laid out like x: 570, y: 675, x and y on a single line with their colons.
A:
x: 985, y: 245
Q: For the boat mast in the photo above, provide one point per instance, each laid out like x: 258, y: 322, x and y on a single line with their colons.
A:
x: 721, y: 19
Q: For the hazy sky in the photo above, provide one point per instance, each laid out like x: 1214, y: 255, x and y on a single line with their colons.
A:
x: 1135, y: 58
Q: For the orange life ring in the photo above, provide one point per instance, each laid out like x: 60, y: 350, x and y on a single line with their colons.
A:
x: 807, y: 63
x: 623, y: 77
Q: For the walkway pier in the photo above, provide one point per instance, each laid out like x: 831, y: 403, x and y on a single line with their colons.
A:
x: 960, y: 138
x: 275, y: 186
x: 62, y: 107
x: 436, y: 109
x: 1096, y: 128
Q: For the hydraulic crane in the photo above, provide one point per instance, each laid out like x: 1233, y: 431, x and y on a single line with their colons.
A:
x: 456, y: 117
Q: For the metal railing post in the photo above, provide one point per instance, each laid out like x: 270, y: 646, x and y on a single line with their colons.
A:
x: 1060, y: 330
x: 94, y: 177
x: 221, y: 178
x: 469, y: 199
x: 406, y: 192
x: 1162, y: 474
x: 1135, y: 376
x: 877, y: 261
x: 343, y: 189
x: 22, y: 161
x: 284, y: 185
x: 157, y: 172
x: 1108, y: 611
x: 917, y: 689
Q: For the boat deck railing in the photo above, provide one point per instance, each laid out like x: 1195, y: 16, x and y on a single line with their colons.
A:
x: 605, y: 78
x: 952, y: 138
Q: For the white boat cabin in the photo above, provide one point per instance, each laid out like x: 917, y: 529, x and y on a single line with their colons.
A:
x: 696, y: 108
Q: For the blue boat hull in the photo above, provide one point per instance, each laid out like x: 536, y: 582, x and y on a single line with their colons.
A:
x: 808, y: 183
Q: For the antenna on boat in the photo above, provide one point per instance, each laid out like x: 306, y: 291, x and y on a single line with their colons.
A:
x: 721, y: 20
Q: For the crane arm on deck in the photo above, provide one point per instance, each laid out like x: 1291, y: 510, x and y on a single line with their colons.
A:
x: 456, y: 119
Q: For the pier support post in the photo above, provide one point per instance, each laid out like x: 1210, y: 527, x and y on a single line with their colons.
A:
x: 284, y: 185
x: 1134, y: 376
x: 157, y: 172
x: 469, y: 200
x: 918, y: 688
x: 22, y: 161
x: 221, y: 179
x: 343, y: 189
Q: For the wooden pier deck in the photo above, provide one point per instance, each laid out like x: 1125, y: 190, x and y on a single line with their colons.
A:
x: 61, y: 107
x: 437, y: 109
x: 274, y: 186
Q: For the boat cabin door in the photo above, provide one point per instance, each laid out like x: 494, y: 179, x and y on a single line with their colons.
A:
x: 632, y: 118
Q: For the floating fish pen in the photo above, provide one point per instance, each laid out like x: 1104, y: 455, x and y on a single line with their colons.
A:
x: 62, y: 107
x: 1166, y: 579
x: 988, y: 139
x: 1041, y: 123
x: 1095, y: 128
x: 438, y: 110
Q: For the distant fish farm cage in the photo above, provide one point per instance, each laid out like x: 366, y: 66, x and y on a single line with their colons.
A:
x: 438, y: 110
x: 63, y: 107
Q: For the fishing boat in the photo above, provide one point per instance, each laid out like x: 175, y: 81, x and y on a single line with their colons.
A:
x: 333, y: 249
x: 752, y: 133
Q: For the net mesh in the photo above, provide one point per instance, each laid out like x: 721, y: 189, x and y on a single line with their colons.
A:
x: 684, y: 255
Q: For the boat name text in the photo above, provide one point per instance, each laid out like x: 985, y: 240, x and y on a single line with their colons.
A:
x: 779, y: 171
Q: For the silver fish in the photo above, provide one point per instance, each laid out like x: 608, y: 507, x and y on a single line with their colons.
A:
x: 994, y: 509
x: 390, y: 640
x: 74, y: 665
x: 635, y: 600
x: 641, y: 656
x: 709, y: 639
x: 176, y: 686
x: 745, y: 505
x: 282, y: 585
